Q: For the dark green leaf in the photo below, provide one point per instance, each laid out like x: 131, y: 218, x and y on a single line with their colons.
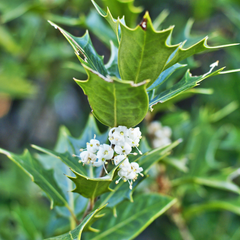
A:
x: 85, y: 51
x: 132, y: 217
x: 221, y: 181
x: 187, y: 82
x: 85, y: 225
x: 92, y: 187
x: 226, y: 204
x: 115, y: 102
x: 43, y: 178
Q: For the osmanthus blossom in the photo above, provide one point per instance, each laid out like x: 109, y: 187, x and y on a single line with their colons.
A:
x: 161, y: 135
x: 122, y: 140
x: 129, y: 172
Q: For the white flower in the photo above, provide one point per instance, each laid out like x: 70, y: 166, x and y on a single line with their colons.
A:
x: 153, y: 127
x: 135, y: 167
x: 105, y: 152
x: 160, y: 142
x: 93, y: 146
x: 123, y: 149
x: 134, y: 133
x: 119, y: 158
x: 167, y: 131
x: 87, y: 157
x: 129, y: 172
x: 118, y: 135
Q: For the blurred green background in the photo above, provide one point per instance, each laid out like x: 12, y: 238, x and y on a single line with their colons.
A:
x: 37, y: 95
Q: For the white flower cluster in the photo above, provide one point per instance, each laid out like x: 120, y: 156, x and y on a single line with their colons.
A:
x: 122, y: 141
x: 160, y: 134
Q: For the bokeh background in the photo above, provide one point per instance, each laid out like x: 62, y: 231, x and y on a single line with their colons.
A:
x: 38, y: 95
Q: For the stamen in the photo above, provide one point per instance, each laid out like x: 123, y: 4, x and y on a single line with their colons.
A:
x: 139, y: 150
x: 105, y: 169
x: 118, y: 180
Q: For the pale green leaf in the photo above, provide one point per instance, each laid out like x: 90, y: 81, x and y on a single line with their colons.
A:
x: 124, y: 8
x: 114, y: 23
x: 143, y: 52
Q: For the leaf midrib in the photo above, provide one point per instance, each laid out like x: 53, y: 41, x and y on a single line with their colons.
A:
x: 141, y: 59
x: 125, y: 222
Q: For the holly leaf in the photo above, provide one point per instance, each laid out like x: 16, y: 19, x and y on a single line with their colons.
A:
x: 132, y: 217
x: 143, y: 52
x: 42, y: 177
x: 85, y: 225
x: 115, y: 102
x: 186, y: 83
x: 114, y: 23
x: 127, y: 9
x: 165, y: 75
x: 92, y: 187
x: 84, y: 50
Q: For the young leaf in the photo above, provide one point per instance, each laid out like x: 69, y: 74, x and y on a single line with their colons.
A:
x: 85, y: 225
x: 115, y: 102
x: 132, y: 217
x: 84, y: 50
x: 43, y: 178
x: 112, y: 22
x: 143, y: 52
x: 124, y: 8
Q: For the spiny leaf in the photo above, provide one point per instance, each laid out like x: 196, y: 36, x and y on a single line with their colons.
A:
x: 66, y: 158
x: 115, y: 102
x: 85, y: 225
x: 112, y: 65
x: 114, y: 23
x: 124, y: 8
x: 143, y: 52
x: 42, y: 177
x: 183, y: 53
x: 132, y: 217
x: 165, y: 75
x: 84, y: 50
x: 187, y: 82
x: 92, y: 187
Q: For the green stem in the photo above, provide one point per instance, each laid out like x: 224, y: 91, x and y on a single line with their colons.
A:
x: 73, y: 220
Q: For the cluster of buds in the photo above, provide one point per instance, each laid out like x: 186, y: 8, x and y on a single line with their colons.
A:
x: 122, y: 140
x: 160, y: 135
